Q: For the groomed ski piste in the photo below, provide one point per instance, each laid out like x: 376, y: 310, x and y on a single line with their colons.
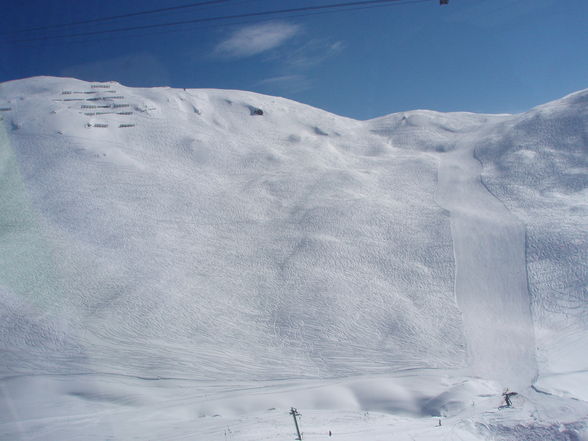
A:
x: 190, y: 264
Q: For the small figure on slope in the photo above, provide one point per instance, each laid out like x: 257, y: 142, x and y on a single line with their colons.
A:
x: 507, y: 394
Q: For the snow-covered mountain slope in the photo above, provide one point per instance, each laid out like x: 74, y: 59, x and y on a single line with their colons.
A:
x: 537, y: 165
x: 230, y: 237
x: 293, y: 243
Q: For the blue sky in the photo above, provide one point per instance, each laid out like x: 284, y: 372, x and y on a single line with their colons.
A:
x: 472, y: 55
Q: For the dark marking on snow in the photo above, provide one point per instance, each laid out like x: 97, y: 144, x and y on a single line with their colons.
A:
x: 318, y: 131
x: 255, y: 110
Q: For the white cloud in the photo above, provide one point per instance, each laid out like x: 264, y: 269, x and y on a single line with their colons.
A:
x: 252, y: 40
x: 290, y: 83
x: 294, y: 66
x: 312, y: 53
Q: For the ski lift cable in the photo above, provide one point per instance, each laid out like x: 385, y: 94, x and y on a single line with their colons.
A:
x: 210, y: 19
x: 212, y: 25
x: 117, y: 17
x: 273, y: 12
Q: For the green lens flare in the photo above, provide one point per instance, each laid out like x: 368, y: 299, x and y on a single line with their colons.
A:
x: 26, y: 267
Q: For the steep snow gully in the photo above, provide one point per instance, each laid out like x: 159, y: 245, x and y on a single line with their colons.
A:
x: 490, y: 281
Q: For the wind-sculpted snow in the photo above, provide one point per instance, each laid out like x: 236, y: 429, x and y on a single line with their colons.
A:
x: 214, y: 243
x: 243, y: 249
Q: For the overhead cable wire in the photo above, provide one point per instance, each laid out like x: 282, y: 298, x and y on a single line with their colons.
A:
x: 117, y: 17
x: 213, y: 19
x: 234, y: 23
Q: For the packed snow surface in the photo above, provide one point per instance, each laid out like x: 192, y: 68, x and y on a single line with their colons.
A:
x: 189, y: 264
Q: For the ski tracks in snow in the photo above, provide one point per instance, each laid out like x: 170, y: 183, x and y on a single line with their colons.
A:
x: 491, y: 279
